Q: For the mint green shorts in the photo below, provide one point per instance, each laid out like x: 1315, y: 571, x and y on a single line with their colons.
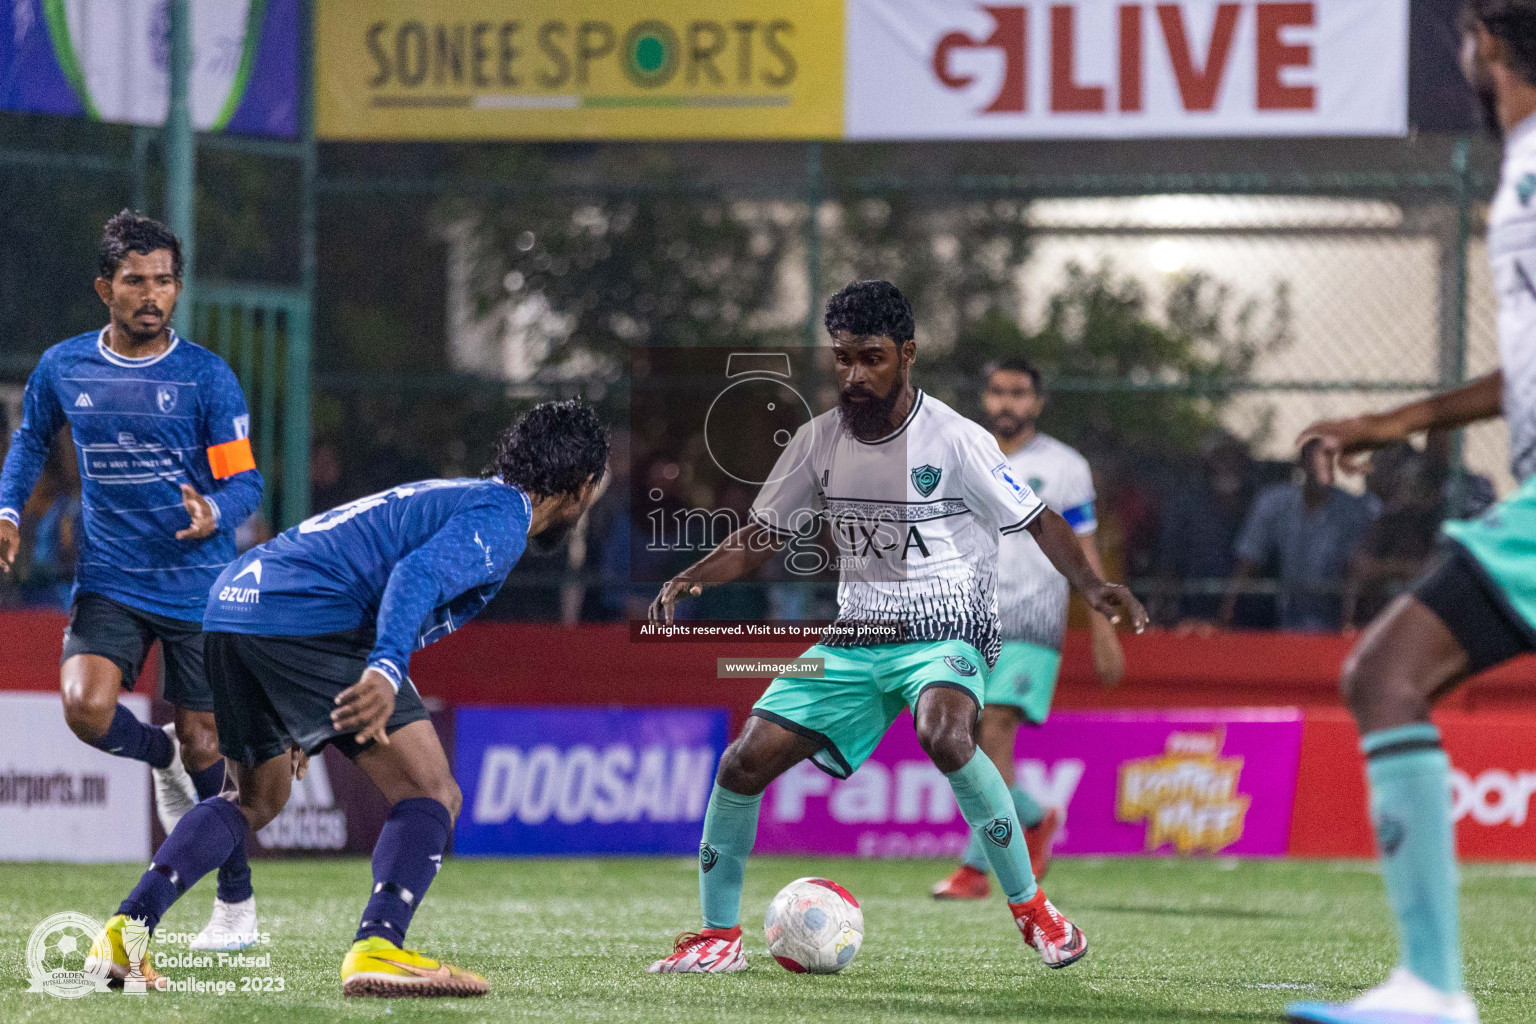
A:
x: 1503, y: 541
x: 864, y: 690
x: 1025, y: 678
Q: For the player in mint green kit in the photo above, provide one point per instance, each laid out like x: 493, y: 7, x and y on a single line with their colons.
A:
x: 1477, y: 606
x: 916, y: 497
x: 1032, y: 606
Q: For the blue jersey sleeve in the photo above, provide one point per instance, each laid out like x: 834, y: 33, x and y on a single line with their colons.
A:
x: 227, y: 430
x: 41, y: 419
x: 475, y: 548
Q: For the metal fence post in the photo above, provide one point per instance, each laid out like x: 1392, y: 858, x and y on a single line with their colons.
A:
x: 1454, y: 371
x: 296, y: 403
x: 813, y: 196
x: 181, y: 158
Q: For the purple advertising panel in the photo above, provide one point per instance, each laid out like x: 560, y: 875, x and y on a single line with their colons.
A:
x: 1132, y: 783
x: 584, y: 780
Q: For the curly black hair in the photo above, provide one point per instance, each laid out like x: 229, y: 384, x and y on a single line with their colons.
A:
x: 128, y: 232
x: 871, y: 309
x: 553, y: 449
x: 1513, y: 22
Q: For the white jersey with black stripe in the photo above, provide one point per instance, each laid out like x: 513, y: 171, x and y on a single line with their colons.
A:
x: 1031, y: 594
x: 915, y: 516
x: 1512, y: 252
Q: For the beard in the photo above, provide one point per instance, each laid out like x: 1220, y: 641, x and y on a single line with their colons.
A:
x: 1008, y: 426
x: 870, y: 418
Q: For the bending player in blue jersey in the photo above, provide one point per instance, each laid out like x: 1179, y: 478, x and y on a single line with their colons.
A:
x: 161, y: 433
x: 309, y: 639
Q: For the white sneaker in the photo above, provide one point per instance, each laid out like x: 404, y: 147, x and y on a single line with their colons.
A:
x: 1402, y: 999
x: 175, y: 794
x: 232, y: 927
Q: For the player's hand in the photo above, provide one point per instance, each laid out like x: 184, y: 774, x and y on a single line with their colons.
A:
x: 365, y: 706
x: 672, y: 591
x: 10, y: 543
x: 1116, y: 603
x: 1348, y: 441
x: 201, y: 512
x: 299, y: 761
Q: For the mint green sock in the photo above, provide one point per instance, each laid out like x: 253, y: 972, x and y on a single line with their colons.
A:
x: 730, y: 829
x: 988, y: 809
x: 1030, y: 814
x: 1411, y: 810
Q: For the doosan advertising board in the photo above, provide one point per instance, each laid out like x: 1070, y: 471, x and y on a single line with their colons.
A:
x: 545, y: 781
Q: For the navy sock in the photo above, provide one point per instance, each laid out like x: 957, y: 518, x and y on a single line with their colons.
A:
x: 235, y: 873
x: 405, y: 860
x: 129, y: 737
x: 203, y: 839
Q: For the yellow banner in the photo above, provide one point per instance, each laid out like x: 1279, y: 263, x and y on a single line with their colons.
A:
x: 547, y: 69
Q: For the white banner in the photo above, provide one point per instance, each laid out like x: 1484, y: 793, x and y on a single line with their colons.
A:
x: 61, y: 799
x: 1092, y: 69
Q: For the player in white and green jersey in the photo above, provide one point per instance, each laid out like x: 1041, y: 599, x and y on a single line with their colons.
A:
x: 1032, y: 604
x: 1476, y: 607
x: 917, y: 497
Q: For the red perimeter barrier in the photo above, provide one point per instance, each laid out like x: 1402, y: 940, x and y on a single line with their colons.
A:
x: 1489, y: 725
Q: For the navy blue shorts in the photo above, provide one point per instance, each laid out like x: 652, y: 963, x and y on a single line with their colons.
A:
x: 110, y: 629
x: 274, y: 692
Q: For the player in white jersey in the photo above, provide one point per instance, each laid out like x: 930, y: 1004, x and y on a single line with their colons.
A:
x: 1477, y: 606
x: 916, y: 497
x: 1032, y: 605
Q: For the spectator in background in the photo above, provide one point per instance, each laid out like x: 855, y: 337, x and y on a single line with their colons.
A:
x: 1200, y: 526
x: 1308, y: 530
x: 1398, y: 543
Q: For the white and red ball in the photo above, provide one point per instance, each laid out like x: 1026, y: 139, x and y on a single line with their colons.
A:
x: 814, y: 926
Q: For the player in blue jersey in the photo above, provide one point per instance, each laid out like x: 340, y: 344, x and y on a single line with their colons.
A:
x: 160, y: 430
x: 309, y: 639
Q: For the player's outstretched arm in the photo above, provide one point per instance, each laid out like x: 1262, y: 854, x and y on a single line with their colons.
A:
x: 1060, y: 544
x: 739, y: 554
x: 1345, y: 439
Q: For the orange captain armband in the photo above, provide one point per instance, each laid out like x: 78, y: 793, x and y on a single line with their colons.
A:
x: 231, y: 457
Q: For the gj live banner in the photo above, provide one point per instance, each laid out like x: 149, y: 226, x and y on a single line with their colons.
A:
x: 1151, y: 783
x: 108, y: 60
x: 582, y: 780
x: 619, y: 69
x: 1047, y: 68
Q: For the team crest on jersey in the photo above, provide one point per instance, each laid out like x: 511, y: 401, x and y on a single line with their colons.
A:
x: 926, y: 478
x: 1036, y: 484
x: 1525, y: 188
x: 959, y: 664
x: 165, y: 397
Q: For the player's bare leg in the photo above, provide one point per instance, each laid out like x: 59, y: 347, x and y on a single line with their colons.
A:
x: 763, y: 752
x: 996, y: 735
x: 89, y: 685
x: 412, y: 772
x: 946, y: 720
x: 1406, y: 661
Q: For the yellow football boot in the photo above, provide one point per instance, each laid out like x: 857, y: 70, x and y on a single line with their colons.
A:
x: 377, y: 967
x: 109, y: 946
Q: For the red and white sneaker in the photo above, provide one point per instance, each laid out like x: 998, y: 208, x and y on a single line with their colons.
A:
x: 711, y: 951
x: 1059, y: 941
x: 1039, y: 840
x: 966, y: 883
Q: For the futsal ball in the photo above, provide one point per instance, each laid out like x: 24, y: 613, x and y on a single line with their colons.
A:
x: 814, y: 926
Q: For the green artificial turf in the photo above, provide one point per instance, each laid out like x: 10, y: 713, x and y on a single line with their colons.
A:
x: 569, y: 940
